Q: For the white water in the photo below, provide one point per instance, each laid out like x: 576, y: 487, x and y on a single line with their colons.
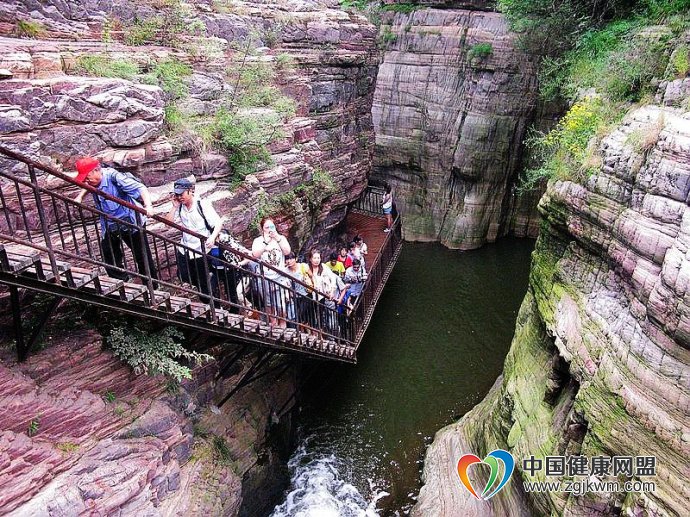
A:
x: 320, y: 486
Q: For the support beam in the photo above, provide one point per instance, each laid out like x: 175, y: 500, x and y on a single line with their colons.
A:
x: 22, y: 351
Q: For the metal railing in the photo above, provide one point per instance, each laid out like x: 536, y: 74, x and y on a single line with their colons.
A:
x: 35, y: 215
x: 371, y: 202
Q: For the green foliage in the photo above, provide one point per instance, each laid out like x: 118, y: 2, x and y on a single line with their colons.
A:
x: 142, y: 32
x: 680, y: 62
x: 480, y: 51
x: 284, y: 62
x: 173, y: 118
x: 153, y: 353
x: 29, y: 29
x: 221, y: 449
x: 309, y: 195
x: 34, y: 426
x: 402, y: 7
x: 386, y: 37
x: 244, y: 136
x: 109, y: 397
x: 170, y: 76
x: 102, y: 65
x: 200, y: 431
x: 563, y: 152
x: 553, y: 28
x: 175, y: 22
x: 354, y: 4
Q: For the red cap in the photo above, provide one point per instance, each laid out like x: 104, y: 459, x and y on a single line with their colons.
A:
x: 84, y: 166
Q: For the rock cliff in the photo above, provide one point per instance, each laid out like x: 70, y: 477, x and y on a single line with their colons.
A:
x: 600, y: 360
x: 454, y: 97
x: 81, y: 433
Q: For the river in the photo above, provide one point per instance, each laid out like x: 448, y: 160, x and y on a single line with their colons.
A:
x: 435, y: 346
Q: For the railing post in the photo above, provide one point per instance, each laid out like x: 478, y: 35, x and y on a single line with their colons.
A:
x: 17, y: 319
x: 207, y: 279
x: 144, y: 256
x: 44, y: 224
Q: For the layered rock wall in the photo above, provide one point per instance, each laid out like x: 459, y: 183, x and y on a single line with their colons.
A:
x: 600, y: 363
x: 453, y: 100
x: 82, y: 433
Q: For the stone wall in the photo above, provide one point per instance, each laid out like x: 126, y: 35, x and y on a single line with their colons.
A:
x: 450, y: 122
x: 600, y: 362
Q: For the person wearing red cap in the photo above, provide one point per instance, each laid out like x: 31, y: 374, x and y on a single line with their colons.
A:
x: 120, y: 227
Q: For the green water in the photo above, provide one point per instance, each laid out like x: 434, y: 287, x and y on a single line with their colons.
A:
x: 435, y: 346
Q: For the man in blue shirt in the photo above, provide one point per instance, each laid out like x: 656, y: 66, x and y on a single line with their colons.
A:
x: 114, y: 234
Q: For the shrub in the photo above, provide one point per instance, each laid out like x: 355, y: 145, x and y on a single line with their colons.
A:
x: 143, y: 32
x: 643, y: 140
x: 221, y: 449
x: 284, y: 62
x: 354, y: 4
x: 153, y: 353
x: 680, y: 62
x: 170, y: 76
x: 172, y: 117
x: 244, y: 137
x: 386, y: 37
x: 480, y: 51
x: 29, y: 29
x: 402, y: 7
x: 34, y: 426
x: 562, y: 151
x: 101, y: 65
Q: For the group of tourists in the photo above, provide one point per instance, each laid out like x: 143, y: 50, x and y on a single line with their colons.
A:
x: 305, y: 295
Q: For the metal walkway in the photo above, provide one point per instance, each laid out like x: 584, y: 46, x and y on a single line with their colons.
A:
x: 51, y: 244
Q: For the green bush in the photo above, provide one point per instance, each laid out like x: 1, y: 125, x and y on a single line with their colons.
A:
x: 153, y: 353
x: 143, y: 32
x: 563, y: 152
x: 480, y: 51
x: 29, y: 29
x: 386, y: 37
x: 401, y: 7
x: 101, y: 65
x: 170, y: 76
x: 244, y: 136
x: 173, y: 117
x: 680, y: 62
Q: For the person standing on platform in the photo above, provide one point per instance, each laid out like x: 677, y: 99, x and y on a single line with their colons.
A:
x: 115, y: 232
x: 200, y: 217
x: 387, y: 206
x: 271, y: 247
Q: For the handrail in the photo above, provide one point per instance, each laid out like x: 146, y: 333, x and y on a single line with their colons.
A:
x: 62, y: 228
x: 74, y: 236
x: 58, y: 174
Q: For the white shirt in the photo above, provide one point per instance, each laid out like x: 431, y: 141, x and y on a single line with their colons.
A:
x: 273, y: 255
x: 192, y: 219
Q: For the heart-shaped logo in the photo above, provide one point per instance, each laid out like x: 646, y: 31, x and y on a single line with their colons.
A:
x: 491, y: 460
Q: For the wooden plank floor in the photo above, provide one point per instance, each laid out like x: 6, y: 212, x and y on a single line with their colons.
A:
x: 370, y: 229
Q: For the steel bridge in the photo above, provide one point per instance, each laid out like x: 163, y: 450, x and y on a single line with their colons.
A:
x: 49, y: 243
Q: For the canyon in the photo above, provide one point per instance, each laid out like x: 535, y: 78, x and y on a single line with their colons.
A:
x: 436, y: 103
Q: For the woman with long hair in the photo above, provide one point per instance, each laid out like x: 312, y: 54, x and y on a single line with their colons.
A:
x: 326, y: 286
x: 271, y: 247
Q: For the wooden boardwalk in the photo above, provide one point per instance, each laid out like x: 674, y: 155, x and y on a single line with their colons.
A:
x: 49, y: 250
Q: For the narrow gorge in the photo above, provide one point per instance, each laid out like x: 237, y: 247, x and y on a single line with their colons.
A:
x: 293, y: 110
